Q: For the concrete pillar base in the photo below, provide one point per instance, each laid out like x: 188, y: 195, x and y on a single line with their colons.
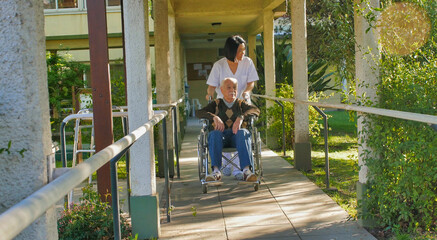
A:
x: 361, y: 197
x: 145, y: 216
x: 302, y: 156
x: 171, y: 163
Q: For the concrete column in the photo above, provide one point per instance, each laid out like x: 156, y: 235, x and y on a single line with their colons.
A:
x: 175, y: 77
x: 24, y: 111
x: 172, y: 56
x: 144, y: 198
x: 302, y: 146
x: 367, y: 78
x: 269, y: 63
x: 164, y: 84
x: 176, y: 86
x: 179, y: 83
x: 185, y: 78
x: 250, y: 49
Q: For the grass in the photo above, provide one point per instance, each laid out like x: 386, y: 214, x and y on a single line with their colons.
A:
x: 343, y: 161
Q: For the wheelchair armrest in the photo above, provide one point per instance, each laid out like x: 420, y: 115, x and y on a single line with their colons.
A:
x: 205, y: 123
x: 252, y: 120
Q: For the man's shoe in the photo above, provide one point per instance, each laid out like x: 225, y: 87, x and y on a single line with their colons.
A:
x: 215, y: 176
x: 248, y: 176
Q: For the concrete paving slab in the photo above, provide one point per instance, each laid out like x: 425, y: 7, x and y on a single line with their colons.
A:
x: 336, y: 231
x: 286, y: 206
x: 273, y: 218
x: 195, y: 223
x: 277, y: 231
x: 192, y: 234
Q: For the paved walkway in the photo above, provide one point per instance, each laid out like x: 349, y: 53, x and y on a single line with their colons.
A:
x: 287, y: 205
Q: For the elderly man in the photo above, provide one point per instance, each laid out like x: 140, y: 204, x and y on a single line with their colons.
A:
x: 228, y: 116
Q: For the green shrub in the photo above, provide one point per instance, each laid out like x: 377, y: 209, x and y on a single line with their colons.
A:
x: 319, y: 79
x: 90, y: 219
x: 403, y: 163
x: 275, y: 117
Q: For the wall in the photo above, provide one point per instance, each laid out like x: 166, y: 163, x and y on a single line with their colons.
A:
x: 70, y: 28
x: 200, y: 55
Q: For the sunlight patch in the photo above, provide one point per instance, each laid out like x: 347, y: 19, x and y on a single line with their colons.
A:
x: 403, y: 28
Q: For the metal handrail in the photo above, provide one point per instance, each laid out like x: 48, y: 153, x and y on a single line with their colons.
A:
x: 173, y: 106
x: 24, y: 213
x: 80, y: 116
x: 114, y: 184
x: 425, y: 118
x: 86, y: 114
x: 325, y: 135
x: 418, y: 117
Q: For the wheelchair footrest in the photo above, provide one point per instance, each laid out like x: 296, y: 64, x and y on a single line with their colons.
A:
x: 212, y: 183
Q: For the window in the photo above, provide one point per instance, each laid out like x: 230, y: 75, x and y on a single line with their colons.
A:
x: 111, y: 3
x: 75, y: 4
x: 59, y: 4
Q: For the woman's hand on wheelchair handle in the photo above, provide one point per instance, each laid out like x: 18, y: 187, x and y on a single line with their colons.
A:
x: 219, y: 125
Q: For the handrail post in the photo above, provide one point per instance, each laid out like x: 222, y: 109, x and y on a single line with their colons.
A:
x: 63, y: 147
x: 114, y: 194
x: 125, y: 132
x: 325, y: 124
x: 283, y: 126
x: 166, y: 173
x: 176, y: 142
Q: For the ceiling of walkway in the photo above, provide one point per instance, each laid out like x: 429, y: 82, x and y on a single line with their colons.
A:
x: 195, y: 19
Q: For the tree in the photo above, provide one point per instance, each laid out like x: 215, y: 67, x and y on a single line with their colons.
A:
x: 63, y: 76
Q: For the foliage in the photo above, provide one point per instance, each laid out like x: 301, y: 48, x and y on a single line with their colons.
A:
x: 8, y: 149
x: 118, y: 86
x: 330, y: 30
x: 331, y: 35
x: 118, y: 95
x: 62, y: 76
x: 402, y: 165
x: 318, y: 78
x: 90, y: 219
x: 318, y: 81
x: 274, y: 117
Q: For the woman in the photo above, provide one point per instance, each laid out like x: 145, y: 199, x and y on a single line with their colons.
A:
x: 233, y: 65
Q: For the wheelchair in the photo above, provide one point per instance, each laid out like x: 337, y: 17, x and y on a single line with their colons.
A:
x: 204, y: 161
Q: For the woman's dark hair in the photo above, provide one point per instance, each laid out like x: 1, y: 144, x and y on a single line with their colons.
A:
x: 231, y: 46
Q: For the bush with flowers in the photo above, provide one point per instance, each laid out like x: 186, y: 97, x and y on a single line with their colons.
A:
x: 90, y: 219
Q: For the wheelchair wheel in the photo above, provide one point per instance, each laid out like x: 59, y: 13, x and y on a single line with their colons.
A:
x: 202, y: 155
x: 257, y: 153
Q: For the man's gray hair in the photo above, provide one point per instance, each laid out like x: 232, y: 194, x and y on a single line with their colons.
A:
x: 233, y: 80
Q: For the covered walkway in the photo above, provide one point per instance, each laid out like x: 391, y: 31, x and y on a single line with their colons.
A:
x: 287, y: 205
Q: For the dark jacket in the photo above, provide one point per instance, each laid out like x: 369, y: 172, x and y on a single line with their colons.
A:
x: 240, y: 108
